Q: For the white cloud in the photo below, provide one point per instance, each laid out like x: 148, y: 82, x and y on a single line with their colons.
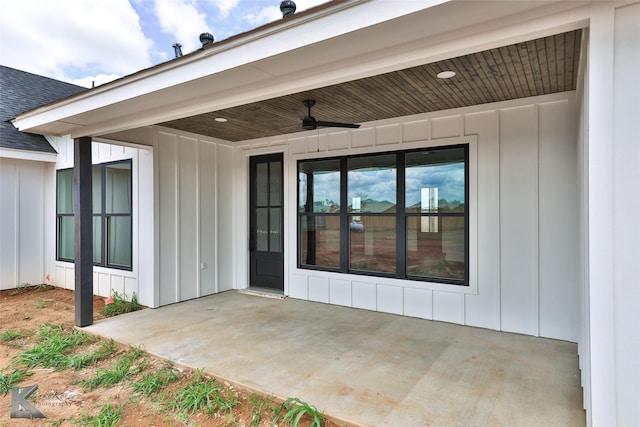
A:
x: 224, y: 6
x: 67, y: 39
x: 182, y: 20
x: 263, y: 15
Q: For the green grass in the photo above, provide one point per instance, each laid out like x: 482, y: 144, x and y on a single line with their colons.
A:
x: 80, y: 360
x: 11, y: 335
x: 295, y: 410
x: 42, y: 303
x: 53, y: 347
x: 259, y: 406
x: 57, y: 348
x: 120, y: 305
x: 108, y: 416
x: 11, y: 379
x: 152, y: 382
x: 123, y: 369
x: 202, y: 394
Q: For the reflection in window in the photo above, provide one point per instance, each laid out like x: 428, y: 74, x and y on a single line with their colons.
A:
x: 435, y: 180
x: 320, y: 241
x: 319, y: 186
x: 373, y: 246
x: 372, y: 184
x: 436, y: 254
x: 399, y: 214
x: 112, y: 213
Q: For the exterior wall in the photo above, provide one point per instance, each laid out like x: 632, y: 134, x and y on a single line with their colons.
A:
x: 24, y: 204
x: 194, y: 216
x: 106, y: 280
x: 610, y: 318
x: 523, y: 216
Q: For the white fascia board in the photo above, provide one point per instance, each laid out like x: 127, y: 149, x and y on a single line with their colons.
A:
x: 36, y: 156
x: 273, y: 40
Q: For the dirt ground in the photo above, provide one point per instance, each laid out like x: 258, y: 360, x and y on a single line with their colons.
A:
x: 65, y: 402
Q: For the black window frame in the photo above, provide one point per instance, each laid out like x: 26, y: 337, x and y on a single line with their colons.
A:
x: 401, y: 218
x: 103, y: 215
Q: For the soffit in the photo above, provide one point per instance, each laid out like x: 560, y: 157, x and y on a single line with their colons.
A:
x: 536, y: 67
x: 379, y: 71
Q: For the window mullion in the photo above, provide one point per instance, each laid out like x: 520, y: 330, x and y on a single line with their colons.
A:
x: 344, y: 218
x: 401, y: 234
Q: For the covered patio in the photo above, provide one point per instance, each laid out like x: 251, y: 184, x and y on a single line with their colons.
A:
x: 363, y: 367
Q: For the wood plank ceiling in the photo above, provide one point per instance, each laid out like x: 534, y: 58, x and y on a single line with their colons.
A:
x: 536, y: 67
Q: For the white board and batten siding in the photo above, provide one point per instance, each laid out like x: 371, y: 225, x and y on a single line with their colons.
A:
x: 140, y: 279
x: 524, y: 212
x: 25, y: 240
x: 194, y: 216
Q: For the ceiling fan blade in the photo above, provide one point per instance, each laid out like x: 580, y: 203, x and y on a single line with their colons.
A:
x: 337, y: 124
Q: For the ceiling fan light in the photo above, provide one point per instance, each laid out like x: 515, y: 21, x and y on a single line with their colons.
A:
x: 447, y: 74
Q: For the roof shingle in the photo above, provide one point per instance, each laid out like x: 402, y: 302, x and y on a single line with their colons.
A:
x: 21, y: 91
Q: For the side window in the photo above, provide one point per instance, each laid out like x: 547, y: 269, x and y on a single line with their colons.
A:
x: 112, y: 215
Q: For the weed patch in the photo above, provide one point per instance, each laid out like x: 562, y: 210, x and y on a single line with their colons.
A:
x: 202, y: 394
x: 152, y: 382
x: 11, y: 379
x: 11, y: 335
x: 124, y: 368
x: 295, y: 410
x: 118, y: 304
x: 57, y: 348
x: 108, y: 416
x: 261, y: 405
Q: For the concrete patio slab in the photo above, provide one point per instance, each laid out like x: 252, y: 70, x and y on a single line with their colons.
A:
x: 363, y: 367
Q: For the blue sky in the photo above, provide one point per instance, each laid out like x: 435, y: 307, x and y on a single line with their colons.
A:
x: 85, y: 41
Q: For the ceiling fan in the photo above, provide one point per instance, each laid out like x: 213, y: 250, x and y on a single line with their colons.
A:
x: 309, y: 122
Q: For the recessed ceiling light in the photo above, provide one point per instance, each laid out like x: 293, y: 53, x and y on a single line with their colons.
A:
x: 220, y: 119
x: 446, y: 74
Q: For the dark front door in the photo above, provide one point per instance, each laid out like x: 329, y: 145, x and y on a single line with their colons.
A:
x: 266, y: 239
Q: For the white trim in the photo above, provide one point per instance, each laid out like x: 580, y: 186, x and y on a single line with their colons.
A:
x: 37, y: 156
x: 472, y: 141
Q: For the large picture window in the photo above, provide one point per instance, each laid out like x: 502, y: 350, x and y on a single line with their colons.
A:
x: 401, y: 214
x: 112, y: 214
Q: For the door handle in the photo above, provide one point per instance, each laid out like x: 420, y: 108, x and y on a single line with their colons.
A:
x: 252, y: 240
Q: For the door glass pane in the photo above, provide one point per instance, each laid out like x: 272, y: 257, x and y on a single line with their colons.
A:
x: 372, y: 184
x: 65, y: 191
x: 275, y: 184
x: 119, y: 241
x: 262, y: 229
x: 319, y: 186
x: 262, y: 184
x: 372, y: 241
x: 436, y: 247
x: 118, y: 188
x: 320, y: 241
x: 275, y: 230
x: 435, y: 181
x: 66, y: 239
x: 97, y: 239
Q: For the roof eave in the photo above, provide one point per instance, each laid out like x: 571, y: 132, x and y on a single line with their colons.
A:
x: 54, y: 118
